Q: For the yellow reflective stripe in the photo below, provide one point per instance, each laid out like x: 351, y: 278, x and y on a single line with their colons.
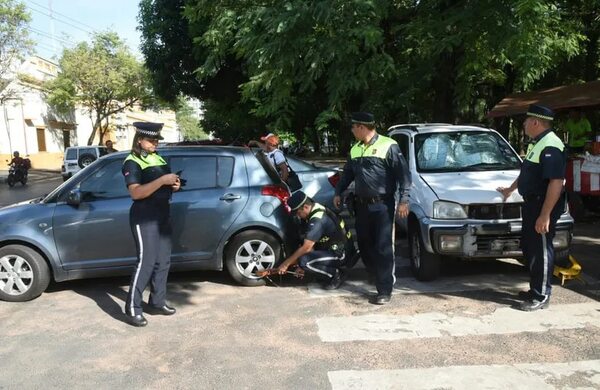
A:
x: 534, y: 151
x: 317, y: 212
x: 152, y: 160
x: 378, y: 149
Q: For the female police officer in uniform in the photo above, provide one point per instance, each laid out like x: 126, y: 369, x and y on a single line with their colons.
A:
x: 150, y: 184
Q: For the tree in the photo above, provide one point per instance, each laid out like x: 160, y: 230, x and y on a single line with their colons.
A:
x: 14, y: 40
x: 103, y: 78
x: 188, y: 123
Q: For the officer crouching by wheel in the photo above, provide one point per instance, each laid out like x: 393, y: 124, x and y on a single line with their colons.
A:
x: 541, y: 185
x: 150, y: 184
x: 327, y: 247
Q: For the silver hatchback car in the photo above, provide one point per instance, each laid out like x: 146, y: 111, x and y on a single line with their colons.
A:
x: 230, y: 214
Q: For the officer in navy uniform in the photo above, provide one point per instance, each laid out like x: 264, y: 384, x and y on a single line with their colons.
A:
x: 541, y: 185
x: 150, y: 184
x: 382, y: 181
x: 327, y: 246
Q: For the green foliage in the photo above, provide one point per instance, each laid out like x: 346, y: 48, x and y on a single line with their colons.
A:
x: 301, y: 66
x: 188, y: 122
x: 14, y: 40
x: 104, y: 78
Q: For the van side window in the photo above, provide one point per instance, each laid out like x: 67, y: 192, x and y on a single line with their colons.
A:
x: 106, y: 183
x: 71, y: 154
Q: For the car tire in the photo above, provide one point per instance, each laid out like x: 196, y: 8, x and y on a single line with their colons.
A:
x: 561, y: 258
x: 251, y: 251
x: 576, y: 206
x: 85, y: 160
x: 425, y: 266
x: 24, y: 274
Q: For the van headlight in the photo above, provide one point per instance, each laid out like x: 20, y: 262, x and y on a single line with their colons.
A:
x: 448, y: 210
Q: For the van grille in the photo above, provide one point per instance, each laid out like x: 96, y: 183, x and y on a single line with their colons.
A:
x: 507, y: 243
x: 495, y: 211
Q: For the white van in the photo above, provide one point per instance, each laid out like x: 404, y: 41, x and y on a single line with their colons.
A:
x: 79, y: 157
x: 455, y: 210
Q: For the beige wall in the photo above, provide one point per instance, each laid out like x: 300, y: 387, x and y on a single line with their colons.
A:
x: 39, y: 160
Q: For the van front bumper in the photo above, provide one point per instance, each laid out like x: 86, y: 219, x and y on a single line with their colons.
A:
x: 478, y: 239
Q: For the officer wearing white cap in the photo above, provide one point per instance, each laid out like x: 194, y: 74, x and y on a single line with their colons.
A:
x: 327, y: 246
x: 150, y: 184
x: 381, y: 178
x: 541, y: 185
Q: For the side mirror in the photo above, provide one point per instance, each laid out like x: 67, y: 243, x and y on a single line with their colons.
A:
x: 74, y: 198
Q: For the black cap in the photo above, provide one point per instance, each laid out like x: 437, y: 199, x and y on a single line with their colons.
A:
x: 542, y: 112
x: 297, y: 199
x: 148, y: 129
x: 364, y: 118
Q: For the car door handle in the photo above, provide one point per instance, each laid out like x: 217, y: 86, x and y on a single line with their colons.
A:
x: 230, y: 197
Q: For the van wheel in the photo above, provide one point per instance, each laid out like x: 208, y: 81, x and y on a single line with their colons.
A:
x: 24, y: 274
x: 249, y: 252
x: 424, y: 265
x: 85, y: 160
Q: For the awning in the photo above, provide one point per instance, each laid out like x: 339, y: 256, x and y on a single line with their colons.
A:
x: 563, y: 97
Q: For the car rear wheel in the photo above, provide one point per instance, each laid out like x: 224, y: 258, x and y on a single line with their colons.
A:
x: 249, y: 252
x: 424, y: 265
x: 24, y: 274
x: 85, y: 160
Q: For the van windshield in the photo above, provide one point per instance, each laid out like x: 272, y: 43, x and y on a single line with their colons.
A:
x: 464, y: 151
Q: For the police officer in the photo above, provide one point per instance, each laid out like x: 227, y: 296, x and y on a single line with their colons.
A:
x: 541, y: 185
x: 327, y: 246
x: 381, y: 177
x: 150, y: 184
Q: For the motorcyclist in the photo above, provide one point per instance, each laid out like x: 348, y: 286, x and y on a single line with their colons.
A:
x: 17, y: 160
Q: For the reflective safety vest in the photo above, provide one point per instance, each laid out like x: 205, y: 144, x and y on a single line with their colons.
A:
x: 534, y: 150
x: 151, y: 160
x: 337, y: 240
x: 377, y: 149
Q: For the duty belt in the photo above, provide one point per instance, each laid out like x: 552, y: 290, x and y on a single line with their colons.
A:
x: 372, y: 199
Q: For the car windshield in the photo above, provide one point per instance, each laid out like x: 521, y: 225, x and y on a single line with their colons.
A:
x: 464, y: 151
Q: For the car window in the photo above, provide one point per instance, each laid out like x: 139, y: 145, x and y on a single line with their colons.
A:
x: 224, y: 171
x: 463, y: 151
x: 106, y: 183
x: 199, y: 172
x: 91, y: 151
x: 71, y: 154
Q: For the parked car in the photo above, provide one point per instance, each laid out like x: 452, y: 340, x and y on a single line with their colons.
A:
x: 455, y: 210
x: 79, y: 157
x: 230, y: 214
x: 318, y: 181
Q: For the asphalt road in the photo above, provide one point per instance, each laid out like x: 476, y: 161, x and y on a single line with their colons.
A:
x: 459, y: 332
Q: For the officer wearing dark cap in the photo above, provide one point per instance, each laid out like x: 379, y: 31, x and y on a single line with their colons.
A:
x: 541, y: 185
x: 150, y: 184
x: 382, y: 181
x: 327, y: 246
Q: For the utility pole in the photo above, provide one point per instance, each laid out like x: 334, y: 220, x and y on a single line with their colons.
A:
x: 52, y: 27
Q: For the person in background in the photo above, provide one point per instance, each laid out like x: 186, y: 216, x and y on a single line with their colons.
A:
x: 540, y: 182
x: 17, y: 159
x: 109, y: 147
x: 270, y: 144
x: 150, y: 184
x: 382, y: 182
x: 579, y: 131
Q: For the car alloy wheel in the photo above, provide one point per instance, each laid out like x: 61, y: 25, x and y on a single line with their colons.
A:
x: 253, y: 256
x: 16, y: 275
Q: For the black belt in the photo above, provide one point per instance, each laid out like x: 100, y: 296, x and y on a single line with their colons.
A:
x: 372, y: 199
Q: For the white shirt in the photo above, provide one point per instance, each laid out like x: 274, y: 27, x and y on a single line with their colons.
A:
x: 276, y: 157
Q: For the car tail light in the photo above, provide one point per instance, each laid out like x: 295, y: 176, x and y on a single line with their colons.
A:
x: 333, y: 179
x: 279, y: 192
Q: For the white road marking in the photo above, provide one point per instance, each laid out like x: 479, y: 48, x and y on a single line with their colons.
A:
x: 435, y: 324
x: 539, y: 376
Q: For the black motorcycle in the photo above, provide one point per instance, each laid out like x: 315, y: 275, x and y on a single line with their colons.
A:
x: 17, y: 173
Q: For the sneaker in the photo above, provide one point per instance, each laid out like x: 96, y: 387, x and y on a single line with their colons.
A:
x: 336, y: 281
x: 535, y: 304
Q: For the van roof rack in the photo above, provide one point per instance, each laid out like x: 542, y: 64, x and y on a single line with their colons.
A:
x: 415, y: 126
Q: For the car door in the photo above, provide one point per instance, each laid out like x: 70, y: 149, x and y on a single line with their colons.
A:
x: 96, y: 234
x: 213, y: 196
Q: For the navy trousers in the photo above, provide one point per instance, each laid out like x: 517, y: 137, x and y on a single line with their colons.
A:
x: 322, y: 263
x: 375, y: 236
x: 153, y: 244
x: 537, y: 248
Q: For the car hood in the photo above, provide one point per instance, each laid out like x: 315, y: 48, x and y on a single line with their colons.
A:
x: 472, y: 187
